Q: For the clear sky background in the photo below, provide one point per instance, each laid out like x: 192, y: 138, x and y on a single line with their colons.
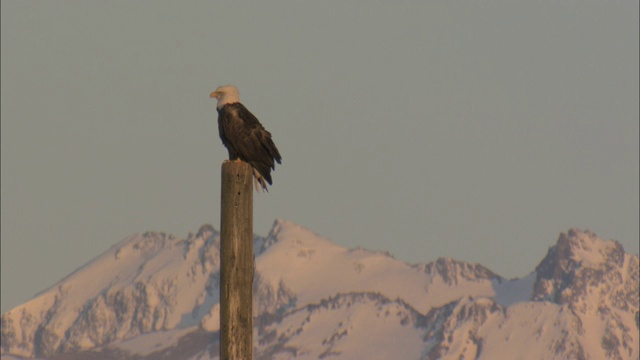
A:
x: 475, y: 130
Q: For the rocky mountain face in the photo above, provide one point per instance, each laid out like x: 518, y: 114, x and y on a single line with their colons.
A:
x: 156, y: 296
x: 584, y: 305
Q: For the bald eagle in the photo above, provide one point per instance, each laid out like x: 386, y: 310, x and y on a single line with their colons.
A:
x: 244, y: 137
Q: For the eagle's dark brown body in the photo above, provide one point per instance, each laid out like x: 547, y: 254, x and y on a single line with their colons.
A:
x: 247, y: 140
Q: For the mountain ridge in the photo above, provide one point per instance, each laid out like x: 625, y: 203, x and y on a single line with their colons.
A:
x: 316, y: 299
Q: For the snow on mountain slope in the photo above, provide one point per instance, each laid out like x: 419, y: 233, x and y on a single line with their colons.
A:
x: 155, y: 296
x: 588, y: 299
x: 147, y: 282
x: 515, y: 290
x: 312, y: 267
x: 599, y: 283
x: 482, y: 329
x: 350, y: 326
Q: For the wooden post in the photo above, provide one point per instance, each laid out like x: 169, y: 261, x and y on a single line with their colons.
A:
x: 236, y: 261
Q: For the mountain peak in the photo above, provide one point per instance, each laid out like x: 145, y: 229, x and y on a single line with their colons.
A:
x: 283, y: 227
x: 587, y: 248
x: 205, y: 231
x: 287, y: 231
x: 578, y: 248
x: 581, y: 259
x: 452, y: 271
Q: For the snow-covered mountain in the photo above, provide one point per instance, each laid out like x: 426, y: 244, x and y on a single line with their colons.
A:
x: 155, y: 296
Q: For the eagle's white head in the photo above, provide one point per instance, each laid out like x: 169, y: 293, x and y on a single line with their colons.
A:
x: 227, y: 94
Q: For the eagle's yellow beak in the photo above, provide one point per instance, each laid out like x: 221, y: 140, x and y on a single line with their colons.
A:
x: 214, y: 95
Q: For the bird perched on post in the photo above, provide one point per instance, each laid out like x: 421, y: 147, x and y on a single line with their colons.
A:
x: 244, y: 137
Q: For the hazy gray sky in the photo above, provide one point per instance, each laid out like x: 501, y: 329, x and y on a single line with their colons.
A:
x: 474, y: 130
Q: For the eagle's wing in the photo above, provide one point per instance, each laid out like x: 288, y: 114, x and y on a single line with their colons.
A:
x: 249, y: 140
